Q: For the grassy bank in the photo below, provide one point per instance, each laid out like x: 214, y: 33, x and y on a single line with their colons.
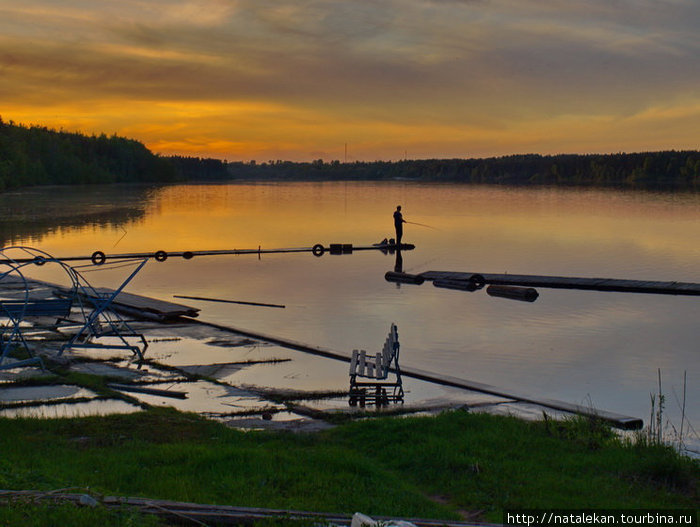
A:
x: 438, y: 467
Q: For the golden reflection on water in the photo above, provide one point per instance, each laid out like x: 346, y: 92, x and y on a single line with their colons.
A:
x: 201, y: 217
x: 245, y: 216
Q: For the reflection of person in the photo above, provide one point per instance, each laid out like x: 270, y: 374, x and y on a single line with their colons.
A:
x: 398, y: 224
x: 398, y: 266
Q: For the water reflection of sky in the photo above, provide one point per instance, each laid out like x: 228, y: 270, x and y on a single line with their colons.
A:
x: 587, y: 347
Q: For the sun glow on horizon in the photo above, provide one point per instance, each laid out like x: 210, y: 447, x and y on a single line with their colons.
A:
x: 296, y: 82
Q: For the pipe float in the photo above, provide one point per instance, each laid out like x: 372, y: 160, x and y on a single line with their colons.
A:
x: 403, y: 278
x: 461, y: 285
x: 524, y: 294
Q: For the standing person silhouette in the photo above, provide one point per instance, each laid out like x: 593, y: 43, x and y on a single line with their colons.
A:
x: 398, y: 224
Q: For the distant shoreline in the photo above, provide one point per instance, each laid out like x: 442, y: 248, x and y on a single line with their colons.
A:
x: 668, y: 170
x: 37, y: 156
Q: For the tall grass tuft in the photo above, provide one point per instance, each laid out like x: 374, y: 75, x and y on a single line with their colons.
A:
x: 661, y: 431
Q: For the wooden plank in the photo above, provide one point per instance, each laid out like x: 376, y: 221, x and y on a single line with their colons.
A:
x: 151, y: 305
x: 381, y: 370
x: 617, y: 420
x: 370, y: 369
x: 394, y: 336
x: 353, y: 362
x: 362, y: 363
x: 564, y: 282
x: 389, y: 354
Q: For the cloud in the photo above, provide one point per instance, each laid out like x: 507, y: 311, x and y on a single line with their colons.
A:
x: 380, y: 68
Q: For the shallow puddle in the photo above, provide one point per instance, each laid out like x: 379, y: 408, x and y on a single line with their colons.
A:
x: 43, y: 393
x: 193, y: 351
x: 205, y: 398
x: 121, y: 371
x: 280, y: 421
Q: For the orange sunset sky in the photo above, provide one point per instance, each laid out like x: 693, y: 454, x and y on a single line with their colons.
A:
x: 300, y: 79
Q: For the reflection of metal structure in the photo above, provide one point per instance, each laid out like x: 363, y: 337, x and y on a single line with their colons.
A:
x: 78, y: 305
x: 377, y: 369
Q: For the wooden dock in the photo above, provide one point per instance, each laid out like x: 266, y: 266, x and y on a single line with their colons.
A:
x: 147, y: 307
x: 563, y: 282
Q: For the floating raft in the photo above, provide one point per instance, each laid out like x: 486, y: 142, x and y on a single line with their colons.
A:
x: 563, y: 282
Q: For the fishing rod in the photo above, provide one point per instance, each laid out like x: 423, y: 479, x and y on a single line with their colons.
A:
x: 421, y: 225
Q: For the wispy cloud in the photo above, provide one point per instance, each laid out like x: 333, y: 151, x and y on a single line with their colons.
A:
x: 440, y: 75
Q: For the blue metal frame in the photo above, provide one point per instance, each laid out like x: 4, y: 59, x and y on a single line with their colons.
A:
x: 101, y: 313
x: 94, y: 309
x: 11, y: 334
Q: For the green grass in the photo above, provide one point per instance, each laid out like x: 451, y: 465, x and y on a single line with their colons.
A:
x: 66, y: 514
x: 406, y: 467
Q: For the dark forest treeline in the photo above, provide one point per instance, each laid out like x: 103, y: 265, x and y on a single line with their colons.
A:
x: 669, y: 169
x: 200, y: 169
x: 40, y: 156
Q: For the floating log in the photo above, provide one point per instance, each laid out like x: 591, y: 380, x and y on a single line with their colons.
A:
x: 403, y: 278
x: 524, y: 294
x: 563, y: 282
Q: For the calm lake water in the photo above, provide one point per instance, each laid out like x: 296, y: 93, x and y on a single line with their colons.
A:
x: 594, y: 348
